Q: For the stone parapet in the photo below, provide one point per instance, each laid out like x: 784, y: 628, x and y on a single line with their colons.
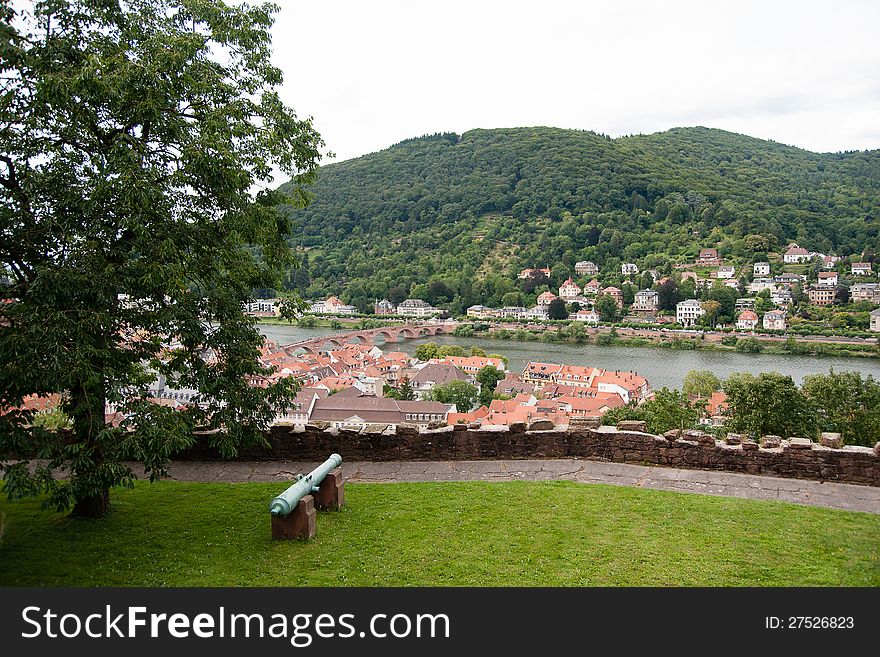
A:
x: 798, y: 458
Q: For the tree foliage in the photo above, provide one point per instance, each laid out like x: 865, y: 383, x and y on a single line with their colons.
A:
x: 846, y: 403
x: 461, y: 393
x: 133, y: 135
x: 769, y: 403
x: 700, y: 383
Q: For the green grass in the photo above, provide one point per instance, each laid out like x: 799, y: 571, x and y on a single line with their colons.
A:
x: 475, y: 533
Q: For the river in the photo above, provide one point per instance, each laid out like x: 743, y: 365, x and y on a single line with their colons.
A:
x: 663, y: 367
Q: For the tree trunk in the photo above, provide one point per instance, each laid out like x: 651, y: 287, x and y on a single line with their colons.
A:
x: 93, y: 506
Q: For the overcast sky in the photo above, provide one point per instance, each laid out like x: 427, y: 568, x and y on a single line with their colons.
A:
x: 374, y: 72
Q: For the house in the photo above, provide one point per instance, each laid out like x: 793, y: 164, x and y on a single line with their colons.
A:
x: 546, y: 298
x: 655, y: 275
x: 761, y: 269
x: 745, y: 302
x: 861, y: 269
x: 435, y: 374
x: 782, y: 297
x: 727, y: 271
x: 747, y: 321
x: 688, y: 312
x: 541, y: 374
x: 512, y: 312
x: 822, y: 295
x: 759, y: 284
x: 829, y: 262
x: 828, y: 278
x: 480, y: 312
x: 631, y: 387
x: 869, y: 292
x: 795, y: 254
x: 416, y: 308
x: 384, y: 307
x: 352, y: 410
x: 645, y: 301
x: 614, y: 293
x: 586, y: 268
x: 569, y: 290
x: 592, y: 287
x: 529, y: 273
x: 716, y: 409
x: 708, y: 258
x: 538, y: 313
x: 790, y: 279
x: 472, y: 364
x: 512, y: 384
x: 576, y: 376
x: 775, y: 320
x: 589, y: 316
x: 875, y: 321
x: 628, y: 268
x: 262, y: 308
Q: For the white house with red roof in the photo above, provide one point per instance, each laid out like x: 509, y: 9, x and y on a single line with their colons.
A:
x: 795, y: 254
x: 569, y: 290
x: 861, y: 269
x: 828, y: 278
x: 546, y: 298
x: 747, y: 321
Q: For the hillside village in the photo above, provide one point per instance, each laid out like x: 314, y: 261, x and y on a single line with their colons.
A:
x: 796, y: 288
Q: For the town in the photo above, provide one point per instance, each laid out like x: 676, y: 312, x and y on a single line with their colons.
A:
x: 799, y: 291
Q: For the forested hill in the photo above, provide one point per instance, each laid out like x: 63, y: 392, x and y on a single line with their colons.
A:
x: 470, y: 211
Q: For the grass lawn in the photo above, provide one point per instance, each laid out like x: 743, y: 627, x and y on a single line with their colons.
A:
x: 444, y: 534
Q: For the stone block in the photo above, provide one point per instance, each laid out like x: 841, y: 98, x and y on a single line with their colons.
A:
x: 800, y: 443
x: 749, y: 446
x: 733, y: 439
x: 542, y: 425
x: 706, y: 439
x: 877, y: 448
x: 672, y: 434
x: 770, y: 441
x: 632, y: 425
x: 517, y: 427
x: 828, y: 439
x: 300, y: 523
x: 331, y: 492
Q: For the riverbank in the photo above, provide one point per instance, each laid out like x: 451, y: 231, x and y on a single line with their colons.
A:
x: 682, y: 340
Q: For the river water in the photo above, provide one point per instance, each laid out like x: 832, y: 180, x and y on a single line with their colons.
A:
x: 663, y: 367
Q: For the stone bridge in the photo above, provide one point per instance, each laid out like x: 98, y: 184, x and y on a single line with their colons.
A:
x: 389, y: 334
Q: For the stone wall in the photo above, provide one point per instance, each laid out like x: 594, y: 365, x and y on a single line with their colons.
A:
x: 624, y: 444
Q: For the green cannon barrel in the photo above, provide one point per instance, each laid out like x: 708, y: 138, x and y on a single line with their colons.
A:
x: 283, y: 504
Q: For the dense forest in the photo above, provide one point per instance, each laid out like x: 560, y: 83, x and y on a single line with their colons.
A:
x: 452, y: 219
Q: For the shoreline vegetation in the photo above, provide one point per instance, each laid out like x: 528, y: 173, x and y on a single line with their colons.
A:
x: 618, y: 335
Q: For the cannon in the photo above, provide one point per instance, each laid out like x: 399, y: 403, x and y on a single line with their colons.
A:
x: 304, y: 485
x: 293, y: 511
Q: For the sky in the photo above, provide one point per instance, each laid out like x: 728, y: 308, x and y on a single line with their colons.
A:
x: 372, y: 73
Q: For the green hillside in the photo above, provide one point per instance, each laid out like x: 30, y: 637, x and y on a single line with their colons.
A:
x: 470, y: 211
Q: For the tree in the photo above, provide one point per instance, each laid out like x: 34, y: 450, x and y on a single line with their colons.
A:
x: 710, y: 308
x: 700, y: 383
x: 846, y: 403
x: 606, y: 307
x: 488, y: 377
x: 503, y: 359
x: 396, y: 294
x: 556, y: 309
x: 427, y: 351
x: 476, y: 351
x: 133, y: 136
x: 668, y: 295
x: 461, y: 393
x: 768, y: 404
x: 405, y: 391
x: 670, y: 409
